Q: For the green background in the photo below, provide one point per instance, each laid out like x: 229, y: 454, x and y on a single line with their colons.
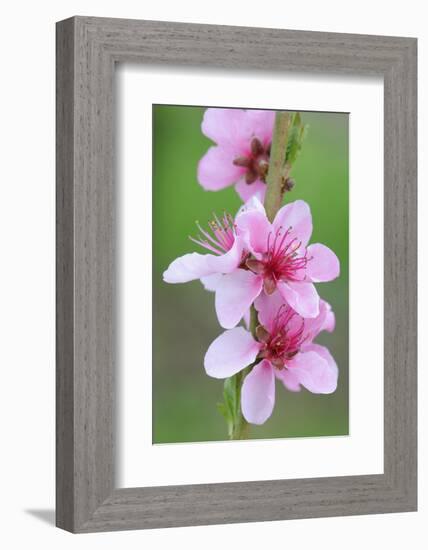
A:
x: 184, y: 320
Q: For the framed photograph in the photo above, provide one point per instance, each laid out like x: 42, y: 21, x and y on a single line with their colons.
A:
x: 236, y: 274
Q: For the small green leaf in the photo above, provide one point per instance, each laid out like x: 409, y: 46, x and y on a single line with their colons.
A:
x: 230, y: 408
x: 297, y: 120
x: 224, y: 411
x: 297, y: 134
x: 230, y: 397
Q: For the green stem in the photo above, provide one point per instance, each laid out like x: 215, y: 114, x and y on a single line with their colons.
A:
x: 278, y: 169
x: 241, y: 427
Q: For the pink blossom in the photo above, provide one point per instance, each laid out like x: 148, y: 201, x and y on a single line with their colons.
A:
x: 276, y: 256
x: 281, y: 258
x: 222, y: 270
x: 227, y: 255
x: 283, y: 349
x: 249, y: 256
x: 226, y: 252
x: 241, y: 153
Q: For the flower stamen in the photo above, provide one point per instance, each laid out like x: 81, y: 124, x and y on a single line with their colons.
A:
x: 222, y: 235
x: 284, y: 340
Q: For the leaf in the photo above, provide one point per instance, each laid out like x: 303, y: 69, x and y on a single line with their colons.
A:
x: 230, y: 397
x: 224, y: 411
x: 297, y: 134
x: 230, y: 408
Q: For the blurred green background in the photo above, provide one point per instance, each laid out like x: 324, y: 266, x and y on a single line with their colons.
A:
x: 184, y: 319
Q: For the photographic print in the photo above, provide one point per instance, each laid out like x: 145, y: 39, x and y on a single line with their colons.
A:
x: 204, y: 299
x: 250, y: 274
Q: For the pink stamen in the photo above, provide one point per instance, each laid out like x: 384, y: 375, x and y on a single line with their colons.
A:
x: 222, y: 235
x: 284, y: 341
x: 281, y: 260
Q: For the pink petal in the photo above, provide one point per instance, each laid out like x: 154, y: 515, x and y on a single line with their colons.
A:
x: 188, y: 268
x: 254, y: 225
x: 302, y: 297
x: 231, y: 352
x: 330, y: 319
x: 258, y: 393
x: 247, y: 319
x: 261, y: 124
x: 235, y: 295
x: 216, y: 169
x: 332, y: 374
x: 211, y: 282
x: 296, y: 215
x: 313, y: 326
x: 225, y: 263
x: 247, y: 190
x: 196, y: 266
x: 315, y: 369
x: 227, y: 127
x: 323, y: 264
x: 253, y: 203
x: 289, y: 378
x: 267, y: 308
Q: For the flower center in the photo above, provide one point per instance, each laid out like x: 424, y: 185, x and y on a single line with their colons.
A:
x: 256, y: 163
x: 282, y: 261
x: 285, y: 339
x: 220, y: 236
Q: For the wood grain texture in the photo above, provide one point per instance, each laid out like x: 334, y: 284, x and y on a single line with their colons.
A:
x: 87, y: 50
x: 64, y: 277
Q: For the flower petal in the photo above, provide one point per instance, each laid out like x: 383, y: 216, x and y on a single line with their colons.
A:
x: 216, y: 169
x: 302, y: 297
x: 261, y: 124
x: 258, y: 393
x: 331, y: 375
x: 225, y: 263
x: 247, y: 190
x: 188, y: 268
x: 313, y: 326
x: 247, y: 319
x: 230, y: 352
x: 235, y: 294
x: 323, y: 264
x: 210, y: 282
x: 296, y: 215
x: 267, y: 307
x: 253, y: 203
x: 330, y: 319
x: 315, y: 369
x: 254, y: 226
x: 227, y: 127
x: 289, y: 378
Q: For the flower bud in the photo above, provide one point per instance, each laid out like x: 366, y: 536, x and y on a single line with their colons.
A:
x: 289, y: 184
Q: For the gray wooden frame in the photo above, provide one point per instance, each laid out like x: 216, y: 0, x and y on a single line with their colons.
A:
x: 87, y: 50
